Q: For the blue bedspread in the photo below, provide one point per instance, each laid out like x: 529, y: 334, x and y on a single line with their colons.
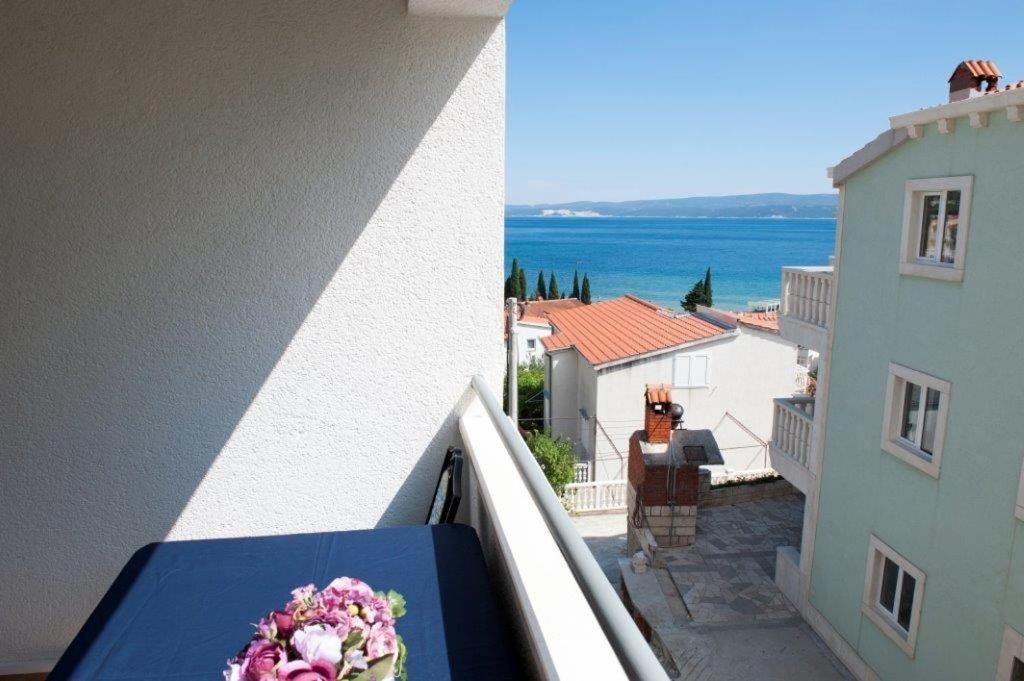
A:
x: 179, y: 610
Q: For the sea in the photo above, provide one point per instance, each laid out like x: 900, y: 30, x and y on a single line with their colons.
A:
x: 659, y: 259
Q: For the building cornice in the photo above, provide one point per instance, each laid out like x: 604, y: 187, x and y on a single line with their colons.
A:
x: 976, y: 109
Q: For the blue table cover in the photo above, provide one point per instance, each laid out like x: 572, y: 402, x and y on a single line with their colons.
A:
x: 181, y: 609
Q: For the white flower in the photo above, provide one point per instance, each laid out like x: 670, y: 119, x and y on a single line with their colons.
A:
x: 233, y: 672
x: 317, y: 642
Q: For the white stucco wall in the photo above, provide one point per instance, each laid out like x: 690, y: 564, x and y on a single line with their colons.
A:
x: 747, y: 372
x: 534, y: 332
x: 226, y: 236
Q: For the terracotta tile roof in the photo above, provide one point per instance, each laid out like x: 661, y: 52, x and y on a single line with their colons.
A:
x: 624, y: 327
x: 980, y: 68
x: 659, y: 393
x: 767, y: 321
x: 537, y: 311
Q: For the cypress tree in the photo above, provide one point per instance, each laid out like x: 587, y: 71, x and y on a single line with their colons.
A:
x: 585, y: 291
x: 521, y: 285
x: 694, y: 298
x: 542, y: 291
x: 707, y: 288
x: 575, y: 284
x: 512, y: 283
x: 553, y: 287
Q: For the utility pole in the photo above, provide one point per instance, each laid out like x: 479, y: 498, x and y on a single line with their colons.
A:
x: 512, y: 309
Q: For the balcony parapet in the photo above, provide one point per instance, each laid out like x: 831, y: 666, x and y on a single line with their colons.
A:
x: 568, y: 614
x: 804, y: 310
x: 792, y: 438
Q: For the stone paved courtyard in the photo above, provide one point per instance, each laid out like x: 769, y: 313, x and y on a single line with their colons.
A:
x: 719, y: 614
x: 728, y: 574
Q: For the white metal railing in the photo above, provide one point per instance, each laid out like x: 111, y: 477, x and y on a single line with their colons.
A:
x: 807, y: 294
x: 594, y: 497
x: 792, y: 427
x: 574, y: 622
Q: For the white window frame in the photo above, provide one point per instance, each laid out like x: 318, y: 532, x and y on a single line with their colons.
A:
x: 910, y: 262
x: 895, y: 394
x: 1013, y: 648
x: 689, y: 357
x: 905, y: 639
x: 531, y: 344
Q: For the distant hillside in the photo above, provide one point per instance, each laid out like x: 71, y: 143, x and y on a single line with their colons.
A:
x: 739, y: 206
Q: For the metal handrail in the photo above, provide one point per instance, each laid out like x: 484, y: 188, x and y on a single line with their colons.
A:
x: 636, y: 656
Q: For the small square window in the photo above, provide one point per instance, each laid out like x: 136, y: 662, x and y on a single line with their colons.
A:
x: 893, y: 590
x: 531, y: 343
x: 935, y: 221
x: 914, y: 423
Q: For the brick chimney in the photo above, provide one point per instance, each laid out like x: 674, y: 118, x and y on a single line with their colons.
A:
x: 968, y: 76
x: 658, y: 413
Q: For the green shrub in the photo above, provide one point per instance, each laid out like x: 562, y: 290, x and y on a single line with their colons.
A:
x: 556, y: 456
x: 531, y: 394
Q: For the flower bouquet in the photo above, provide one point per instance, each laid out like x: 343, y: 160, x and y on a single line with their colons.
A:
x: 344, y: 632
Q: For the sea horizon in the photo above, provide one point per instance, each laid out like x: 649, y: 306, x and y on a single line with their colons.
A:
x: 660, y: 258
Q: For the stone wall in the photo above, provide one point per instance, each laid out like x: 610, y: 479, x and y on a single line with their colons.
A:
x: 736, y: 493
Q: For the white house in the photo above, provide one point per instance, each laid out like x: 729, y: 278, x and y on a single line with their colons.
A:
x: 533, y: 325
x: 724, y: 368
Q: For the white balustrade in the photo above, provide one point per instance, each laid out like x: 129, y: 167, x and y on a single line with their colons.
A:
x: 807, y: 294
x: 595, y: 497
x: 792, y: 427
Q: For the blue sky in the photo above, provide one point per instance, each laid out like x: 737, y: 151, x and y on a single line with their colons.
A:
x: 618, y: 99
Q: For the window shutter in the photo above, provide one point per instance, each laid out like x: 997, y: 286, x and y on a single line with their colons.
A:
x: 681, y: 371
x: 699, y: 366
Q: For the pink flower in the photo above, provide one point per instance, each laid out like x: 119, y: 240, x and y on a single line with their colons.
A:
x: 318, y: 642
x: 348, y: 590
x: 284, y: 622
x: 381, y: 641
x: 261, y: 661
x: 300, y: 670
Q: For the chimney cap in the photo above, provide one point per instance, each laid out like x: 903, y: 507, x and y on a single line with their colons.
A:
x: 982, y: 69
x: 660, y: 393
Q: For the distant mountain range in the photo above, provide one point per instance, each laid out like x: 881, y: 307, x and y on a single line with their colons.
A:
x: 738, y: 206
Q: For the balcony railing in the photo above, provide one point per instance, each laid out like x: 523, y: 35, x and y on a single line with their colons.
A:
x: 566, y: 612
x: 807, y: 294
x: 596, y: 497
x: 792, y: 430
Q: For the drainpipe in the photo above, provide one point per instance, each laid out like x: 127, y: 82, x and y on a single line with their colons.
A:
x: 513, y: 361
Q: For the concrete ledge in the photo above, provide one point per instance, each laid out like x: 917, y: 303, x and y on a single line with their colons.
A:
x: 788, y: 577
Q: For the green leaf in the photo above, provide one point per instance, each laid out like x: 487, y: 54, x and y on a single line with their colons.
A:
x: 397, y: 601
x: 378, y: 671
x: 400, y: 671
x: 354, y: 640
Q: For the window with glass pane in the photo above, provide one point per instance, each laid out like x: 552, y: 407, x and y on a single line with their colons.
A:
x: 896, y: 593
x: 1017, y: 672
x: 890, y: 575
x: 930, y: 420
x: 929, y: 225
x: 950, y: 224
x: 906, y: 601
x: 911, y: 408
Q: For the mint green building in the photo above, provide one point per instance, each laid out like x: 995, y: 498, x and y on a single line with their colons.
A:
x: 913, y: 552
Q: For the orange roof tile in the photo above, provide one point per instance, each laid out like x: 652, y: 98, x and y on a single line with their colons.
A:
x: 624, y: 327
x: 537, y: 311
x: 980, y: 68
x: 658, y: 393
x: 766, y: 321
